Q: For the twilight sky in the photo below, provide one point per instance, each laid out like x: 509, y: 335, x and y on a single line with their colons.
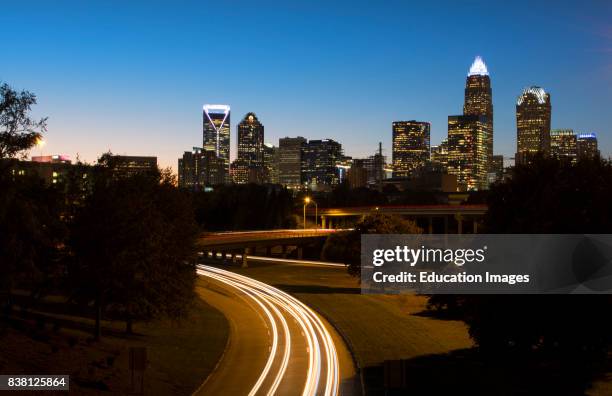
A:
x: 132, y: 78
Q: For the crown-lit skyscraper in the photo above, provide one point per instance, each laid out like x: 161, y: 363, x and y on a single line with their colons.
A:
x: 216, y: 133
x: 479, y: 100
x: 249, y: 165
x: 533, y: 111
x: 251, y: 140
x: 470, y: 136
x: 587, y: 146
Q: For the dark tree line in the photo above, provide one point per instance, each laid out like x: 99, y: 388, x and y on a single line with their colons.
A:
x: 121, y: 247
x: 546, y: 197
x: 132, y: 247
x: 345, y: 196
x: 245, y: 207
x: 345, y: 247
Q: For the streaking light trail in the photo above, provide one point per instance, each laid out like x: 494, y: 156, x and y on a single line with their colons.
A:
x: 322, y: 377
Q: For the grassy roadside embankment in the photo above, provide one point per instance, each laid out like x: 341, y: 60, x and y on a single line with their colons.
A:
x: 180, y: 354
x: 438, y: 354
x: 378, y: 328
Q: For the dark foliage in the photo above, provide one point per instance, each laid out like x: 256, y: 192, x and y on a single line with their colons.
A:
x: 30, y: 230
x: 18, y: 131
x: 416, y: 198
x: 133, y: 243
x: 550, y: 197
x: 345, y: 196
x: 244, y: 207
x: 32, y: 234
x: 345, y: 247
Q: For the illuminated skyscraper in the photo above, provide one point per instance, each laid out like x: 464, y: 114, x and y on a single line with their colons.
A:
x: 251, y: 140
x: 216, y: 131
x: 270, y: 163
x: 199, y: 169
x: 468, y: 157
x: 479, y: 99
x: 248, y: 167
x: 290, y: 161
x: 439, y: 155
x: 587, y: 145
x: 319, y: 161
x: 533, y: 112
x: 410, y: 146
x: 563, y: 144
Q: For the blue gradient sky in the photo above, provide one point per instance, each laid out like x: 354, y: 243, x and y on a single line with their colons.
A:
x: 133, y: 78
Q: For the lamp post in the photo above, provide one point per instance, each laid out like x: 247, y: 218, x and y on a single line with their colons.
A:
x: 40, y: 143
x: 307, y: 200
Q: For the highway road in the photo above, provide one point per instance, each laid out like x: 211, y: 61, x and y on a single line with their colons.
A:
x: 278, y: 345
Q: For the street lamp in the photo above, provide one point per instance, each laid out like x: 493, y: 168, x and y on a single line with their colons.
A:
x: 307, y: 200
x: 40, y: 143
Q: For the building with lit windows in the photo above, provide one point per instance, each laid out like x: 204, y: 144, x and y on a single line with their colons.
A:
x: 343, y: 166
x: 319, y: 160
x: 190, y: 170
x: 533, y: 113
x: 439, y: 155
x: 270, y: 163
x: 239, y: 172
x: 52, y: 169
x: 376, y: 165
x: 199, y: 169
x: 216, y: 134
x: 563, y: 144
x: 251, y: 141
x: 479, y: 99
x: 129, y: 165
x: 496, y: 171
x: 468, y: 157
x: 411, y: 140
x: 290, y: 161
x: 249, y: 167
x: 369, y: 171
x: 587, y: 145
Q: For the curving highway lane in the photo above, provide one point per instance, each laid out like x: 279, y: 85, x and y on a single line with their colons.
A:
x: 301, y: 356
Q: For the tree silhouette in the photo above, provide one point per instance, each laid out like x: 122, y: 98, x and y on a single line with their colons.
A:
x: 18, y: 131
x: 345, y: 247
x: 30, y: 230
x: 134, y: 247
x: 548, y: 197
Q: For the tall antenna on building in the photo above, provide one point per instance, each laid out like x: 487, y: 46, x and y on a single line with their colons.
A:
x: 379, y: 167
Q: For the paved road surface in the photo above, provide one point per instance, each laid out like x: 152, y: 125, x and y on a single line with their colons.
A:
x: 277, y: 344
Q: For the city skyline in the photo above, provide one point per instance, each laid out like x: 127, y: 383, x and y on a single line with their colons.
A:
x: 164, y: 93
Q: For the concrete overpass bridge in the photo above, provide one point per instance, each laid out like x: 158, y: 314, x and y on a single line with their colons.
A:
x: 243, y: 243
x: 456, y: 219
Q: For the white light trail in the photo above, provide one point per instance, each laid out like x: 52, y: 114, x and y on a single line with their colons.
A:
x: 321, y: 348
x: 291, y: 261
